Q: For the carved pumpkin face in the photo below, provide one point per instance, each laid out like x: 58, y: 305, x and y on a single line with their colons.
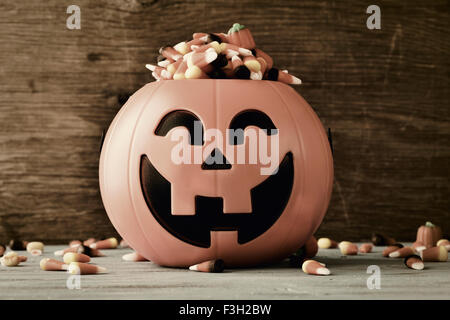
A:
x: 179, y: 214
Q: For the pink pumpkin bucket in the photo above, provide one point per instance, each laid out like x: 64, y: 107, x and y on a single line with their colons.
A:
x: 176, y: 211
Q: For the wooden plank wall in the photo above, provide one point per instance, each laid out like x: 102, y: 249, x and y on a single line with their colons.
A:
x: 384, y: 93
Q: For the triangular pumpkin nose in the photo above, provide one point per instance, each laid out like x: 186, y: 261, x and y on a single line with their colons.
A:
x: 216, y: 161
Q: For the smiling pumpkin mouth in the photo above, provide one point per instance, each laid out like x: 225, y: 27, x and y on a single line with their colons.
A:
x: 268, y: 199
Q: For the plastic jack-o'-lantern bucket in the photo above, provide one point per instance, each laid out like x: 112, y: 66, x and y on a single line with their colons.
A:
x: 179, y: 213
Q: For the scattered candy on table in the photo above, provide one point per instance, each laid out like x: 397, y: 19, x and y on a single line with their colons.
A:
x: 134, y: 256
x: 12, y: 259
x: 418, y: 246
x: 327, y: 243
x: 75, y: 243
x: 391, y: 249
x: 75, y: 257
x: 445, y: 243
x: 435, y: 254
x: 366, y: 248
x: 215, y: 266
x: 35, y: 248
x: 402, y: 252
x: 347, y: 248
x: 110, y: 243
x: 48, y: 264
x: 414, y: 262
x: 85, y: 268
x: 80, y: 249
x: 89, y: 241
x: 315, y: 268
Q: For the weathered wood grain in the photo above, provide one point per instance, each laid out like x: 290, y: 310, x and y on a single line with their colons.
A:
x: 384, y: 93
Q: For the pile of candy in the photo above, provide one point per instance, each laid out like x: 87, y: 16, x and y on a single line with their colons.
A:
x: 218, y: 56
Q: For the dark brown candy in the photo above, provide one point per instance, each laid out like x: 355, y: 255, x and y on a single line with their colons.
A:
x: 379, y: 239
x: 242, y: 72
x: 18, y: 244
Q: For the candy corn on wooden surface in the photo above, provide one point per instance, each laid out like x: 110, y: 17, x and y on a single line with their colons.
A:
x: 145, y: 280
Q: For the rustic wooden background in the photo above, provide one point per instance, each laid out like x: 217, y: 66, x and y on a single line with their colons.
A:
x: 384, y: 93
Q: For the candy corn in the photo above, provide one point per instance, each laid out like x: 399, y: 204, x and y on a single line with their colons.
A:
x: 2, y: 249
x: 209, y: 266
x: 263, y: 65
x: 347, y: 248
x: 414, y: 262
x: 343, y: 243
x: 391, y: 248
x: 252, y: 64
x: 277, y: 75
x: 163, y: 61
x: 85, y: 268
x: 315, y: 268
x: 418, y: 246
x: 256, y: 75
x: 365, y: 248
x: 75, y: 243
x: 402, y: 252
x: 186, y: 46
x: 48, y: 264
x: 124, y: 244
x: 445, y: 243
x: 435, y: 254
x: 202, y: 59
x: 326, y: 243
x: 35, y: 246
x: 81, y: 249
x: 195, y: 72
x: 268, y: 59
x: 134, y: 256
x: 172, y: 68
x: 11, y: 259
x: 181, y: 70
x: 89, y: 241
x: 110, y: 243
x: 215, y: 45
x: 77, y: 249
x: 223, y: 47
x: 75, y: 257
x: 170, y: 53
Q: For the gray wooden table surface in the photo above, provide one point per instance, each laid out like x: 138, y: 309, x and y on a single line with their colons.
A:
x: 145, y: 280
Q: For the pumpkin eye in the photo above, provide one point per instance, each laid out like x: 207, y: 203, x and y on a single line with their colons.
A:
x: 182, y: 118
x: 249, y: 118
